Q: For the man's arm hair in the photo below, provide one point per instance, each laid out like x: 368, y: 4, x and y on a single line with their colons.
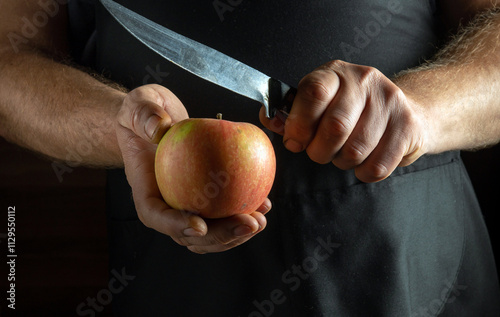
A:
x: 67, y: 114
x: 47, y: 105
x: 460, y: 87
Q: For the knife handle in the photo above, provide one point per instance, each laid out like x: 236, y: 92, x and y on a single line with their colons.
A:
x: 287, y: 102
x: 281, y: 98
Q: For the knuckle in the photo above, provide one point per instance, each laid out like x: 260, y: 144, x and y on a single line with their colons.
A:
x: 409, y: 119
x: 298, y: 129
x: 336, y: 65
x: 354, y: 152
x: 403, y: 119
x: 378, y: 171
x: 373, y: 173
x: 394, y: 96
x: 134, y: 96
x: 314, y: 89
x: 368, y: 75
x: 336, y: 126
x: 406, y: 123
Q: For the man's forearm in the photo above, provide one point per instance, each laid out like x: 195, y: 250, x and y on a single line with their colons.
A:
x: 57, y: 110
x: 460, y: 89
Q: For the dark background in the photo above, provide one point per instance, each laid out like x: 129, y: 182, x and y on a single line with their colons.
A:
x: 61, y: 229
x: 61, y: 242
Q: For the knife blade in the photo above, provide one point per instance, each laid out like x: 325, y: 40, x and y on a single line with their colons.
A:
x: 205, y: 62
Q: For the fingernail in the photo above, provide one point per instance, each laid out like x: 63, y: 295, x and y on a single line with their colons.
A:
x: 293, y: 146
x: 152, y: 125
x: 242, y: 230
x: 191, y: 232
x: 265, y: 207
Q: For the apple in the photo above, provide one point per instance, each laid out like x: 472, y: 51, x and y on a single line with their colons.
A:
x: 215, y: 168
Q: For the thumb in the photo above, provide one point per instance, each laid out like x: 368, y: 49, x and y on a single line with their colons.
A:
x: 149, y: 111
x: 145, y: 118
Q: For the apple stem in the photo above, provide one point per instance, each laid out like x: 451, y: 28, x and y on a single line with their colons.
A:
x: 219, y: 116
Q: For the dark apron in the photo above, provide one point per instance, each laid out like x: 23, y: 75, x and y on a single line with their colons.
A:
x: 412, y: 245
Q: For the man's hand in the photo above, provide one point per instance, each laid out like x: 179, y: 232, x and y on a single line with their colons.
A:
x: 355, y: 117
x: 146, y: 114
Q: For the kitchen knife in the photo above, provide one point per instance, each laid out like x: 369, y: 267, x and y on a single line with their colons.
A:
x: 205, y: 62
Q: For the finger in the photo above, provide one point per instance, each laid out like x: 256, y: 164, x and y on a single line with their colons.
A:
x: 177, y: 224
x: 151, y: 209
x: 149, y: 111
x: 338, y: 123
x: 138, y: 157
x: 414, y: 152
x: 276, y: 124
x: 228, y: 233
x: 399, y: 146
x: 365, y: 136
x: 144, y: 118
x: 224, y: 231
x: 265, y: 207
x: 314, y: 94
x: 382, y: 161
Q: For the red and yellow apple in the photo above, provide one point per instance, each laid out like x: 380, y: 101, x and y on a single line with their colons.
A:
x: 215, y: 168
